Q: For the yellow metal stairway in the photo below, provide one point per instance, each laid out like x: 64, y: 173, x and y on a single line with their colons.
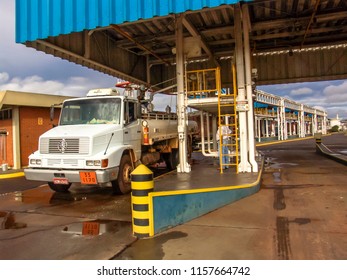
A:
x: 206, y: 83
x: 227, y: 116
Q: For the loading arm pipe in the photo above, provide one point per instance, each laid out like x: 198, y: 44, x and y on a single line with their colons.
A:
x: 210, y: 154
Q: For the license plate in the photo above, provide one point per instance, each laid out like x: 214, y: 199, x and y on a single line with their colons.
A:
x: 88, y: 178
x: 60, y: 181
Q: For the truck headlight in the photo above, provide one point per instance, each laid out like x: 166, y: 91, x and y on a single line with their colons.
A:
x: 102, y: 163
x: 90, y: 162
x: 35, y: 161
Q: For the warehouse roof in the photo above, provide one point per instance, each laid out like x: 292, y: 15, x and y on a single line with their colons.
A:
x: 17, y: 98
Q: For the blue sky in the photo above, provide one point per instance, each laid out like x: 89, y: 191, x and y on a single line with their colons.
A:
x: 25, y: 69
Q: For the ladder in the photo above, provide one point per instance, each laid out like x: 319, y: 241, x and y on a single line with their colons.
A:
x: 227, y: 113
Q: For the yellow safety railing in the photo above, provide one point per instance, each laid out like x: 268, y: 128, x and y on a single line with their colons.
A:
x: 202, y: 83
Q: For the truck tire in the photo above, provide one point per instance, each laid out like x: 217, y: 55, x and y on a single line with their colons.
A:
x: 171, y: 159
x: 123, y: 183
x: 59, y: 188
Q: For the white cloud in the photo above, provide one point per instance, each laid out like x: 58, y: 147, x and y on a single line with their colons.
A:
x: 320, y: 108
x: 301, y: 91
x: 4, y: 77
x: 336, y: 94
x: 328, y: 95
x: 160, y: 102
x: 336, y: 89
x: 74, y: 86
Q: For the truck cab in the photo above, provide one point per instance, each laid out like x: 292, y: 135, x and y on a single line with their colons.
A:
x: 87, y: 146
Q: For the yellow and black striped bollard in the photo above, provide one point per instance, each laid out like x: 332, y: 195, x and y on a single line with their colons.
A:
x: 141, y: 185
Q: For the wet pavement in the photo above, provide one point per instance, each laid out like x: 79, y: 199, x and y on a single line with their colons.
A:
x: 40, y: 224
x: 300, y: 212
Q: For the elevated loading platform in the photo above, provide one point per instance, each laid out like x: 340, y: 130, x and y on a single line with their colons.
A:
x: 179, y: 197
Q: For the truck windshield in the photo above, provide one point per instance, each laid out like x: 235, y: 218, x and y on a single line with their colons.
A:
x: 91, y: 111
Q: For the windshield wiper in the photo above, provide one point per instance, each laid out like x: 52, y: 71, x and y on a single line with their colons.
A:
x: 108, y: 144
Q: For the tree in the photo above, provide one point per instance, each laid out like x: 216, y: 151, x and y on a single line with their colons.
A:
x: 335, y: 128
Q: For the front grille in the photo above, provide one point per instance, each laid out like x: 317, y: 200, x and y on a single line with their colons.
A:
x: 64, y: 146
x: 53, y: 161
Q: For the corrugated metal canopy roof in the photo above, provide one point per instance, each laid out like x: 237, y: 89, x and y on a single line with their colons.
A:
x: 123, y: 38
x: 38, y: 19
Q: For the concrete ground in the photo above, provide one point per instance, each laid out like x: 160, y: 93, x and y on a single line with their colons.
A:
x: 299, y: 213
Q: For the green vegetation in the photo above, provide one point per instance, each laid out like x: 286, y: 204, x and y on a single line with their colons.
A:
x: 335, y: 128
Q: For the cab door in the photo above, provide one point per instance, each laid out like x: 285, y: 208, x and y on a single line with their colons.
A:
x: 132, y: 126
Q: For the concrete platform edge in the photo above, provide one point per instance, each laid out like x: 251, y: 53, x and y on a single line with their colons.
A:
x: 172, y: 208
x: 324, y: 150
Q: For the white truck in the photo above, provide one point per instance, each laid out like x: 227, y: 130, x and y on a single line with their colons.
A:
x: 101, y: 138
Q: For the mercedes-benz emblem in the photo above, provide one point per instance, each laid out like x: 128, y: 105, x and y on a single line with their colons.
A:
x: 62, y: 145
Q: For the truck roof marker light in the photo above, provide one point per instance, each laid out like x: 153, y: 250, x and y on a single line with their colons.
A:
x: 103, y: 92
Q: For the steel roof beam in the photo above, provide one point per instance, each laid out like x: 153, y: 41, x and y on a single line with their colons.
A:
x: 310, y: 22
x: 195, y: 33
x: 126, y: 35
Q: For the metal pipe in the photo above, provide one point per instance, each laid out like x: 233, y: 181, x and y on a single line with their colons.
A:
x: 202, y: 129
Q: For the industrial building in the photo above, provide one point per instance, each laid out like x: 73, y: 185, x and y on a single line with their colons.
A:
x: 24, y: 116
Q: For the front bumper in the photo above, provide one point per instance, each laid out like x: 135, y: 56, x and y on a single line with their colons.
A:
x: 73, y: 176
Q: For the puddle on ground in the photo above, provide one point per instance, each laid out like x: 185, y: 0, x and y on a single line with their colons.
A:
x: 96, y: 227
x: 149, y: 248
x: 44, y: 196
x: 279, y: 201
x: 8, y: 221
x: 277, y: 176
x: 271, y: 163
x: 301, y: 221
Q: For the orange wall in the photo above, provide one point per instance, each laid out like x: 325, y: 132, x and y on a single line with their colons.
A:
x: 33, y: 122
x: 6, y: 125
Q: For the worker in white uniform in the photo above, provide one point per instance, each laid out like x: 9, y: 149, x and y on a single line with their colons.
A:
x: 225, y: 132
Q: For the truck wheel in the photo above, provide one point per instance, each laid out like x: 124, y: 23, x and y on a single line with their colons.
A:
x: 123, y: 183
x: 171, y: 159
x: 59, y: 188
